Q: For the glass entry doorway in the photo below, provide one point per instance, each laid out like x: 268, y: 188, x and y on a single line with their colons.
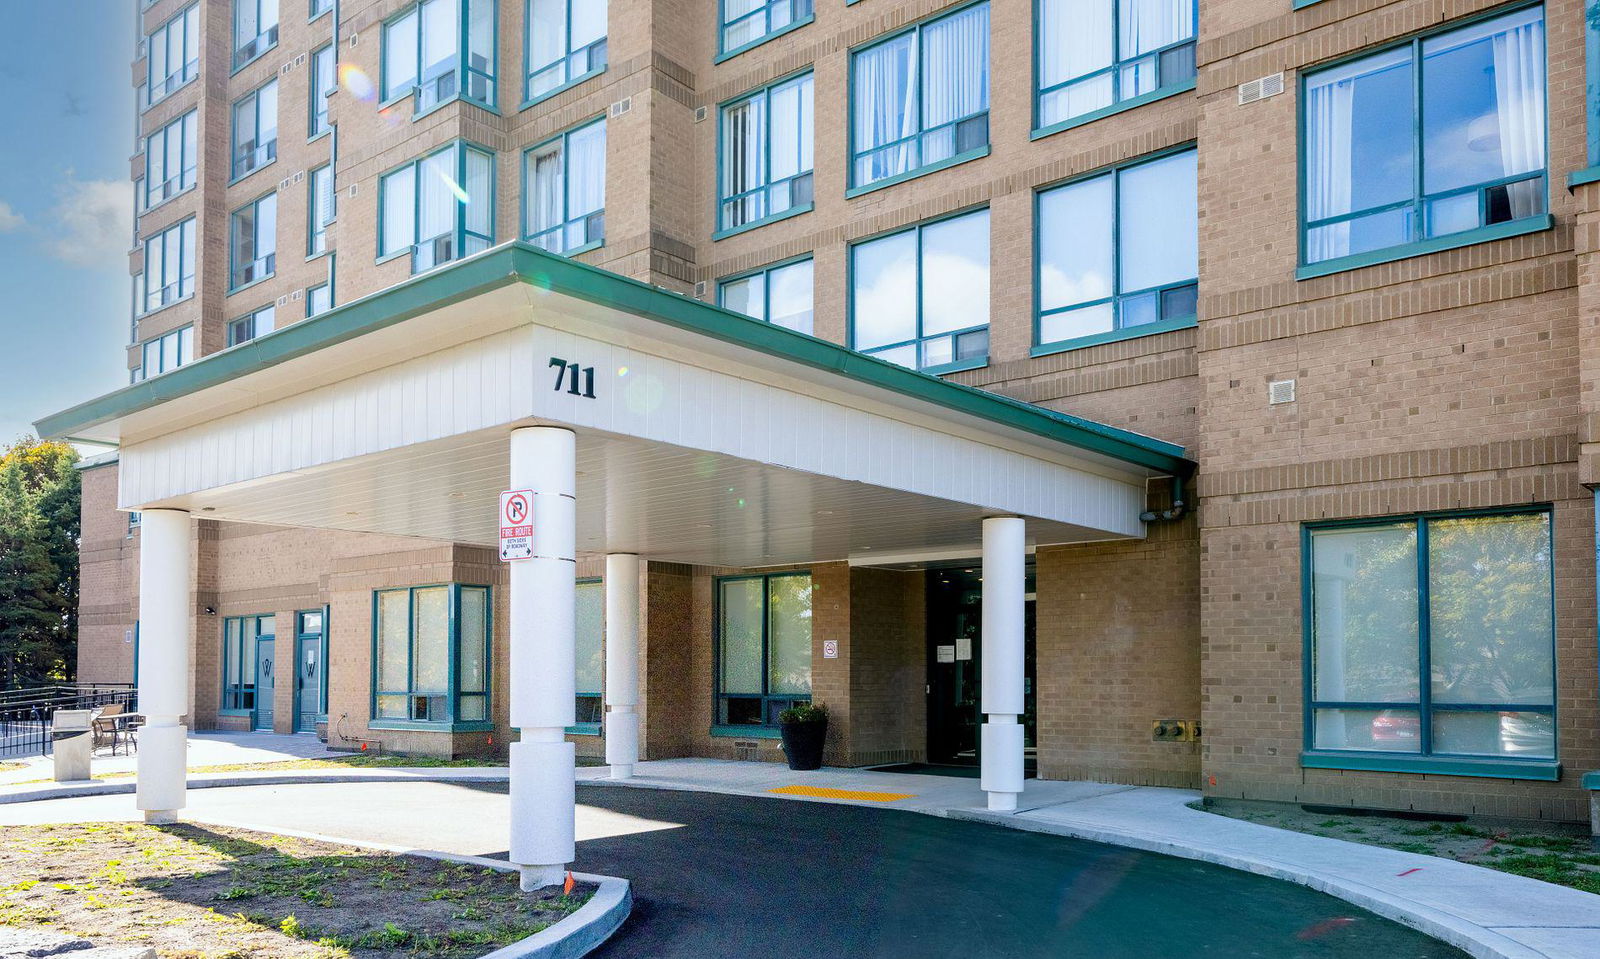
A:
x: 955, y: 654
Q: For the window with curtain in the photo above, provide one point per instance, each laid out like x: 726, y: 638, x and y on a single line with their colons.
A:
x: 165, y: 353
x: 169, y: 264
x: 921, y: 97
x: 255, y: 29
x: 920, y: 297
x: 253, y: 242
x: 1095, y: 54
x: 438, y: 208
x: 172, y: 55
x: 240, y: 634
x: 590, y: 702
x: 171, y: 159
x: 431, y: 649
x: 564, y: 190
x: 1377, y: 177
x: 1432, y: 636
x: 1119, y: 251
x: 765, y: 157
x: 319, y: 208
x: 746, y: 23
x: 255, y: 129
x: 247, y: 328
x: 323, y: 82
x: 780, y: 295
x: 763, y: 647
x: 566, y: 44
x: 440, y: 50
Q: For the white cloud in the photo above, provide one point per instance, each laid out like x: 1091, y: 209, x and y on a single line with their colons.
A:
x: 92, y: 222
x: 10, y: 219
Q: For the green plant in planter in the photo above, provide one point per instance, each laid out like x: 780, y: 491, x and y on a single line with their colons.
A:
x: 804, y: 713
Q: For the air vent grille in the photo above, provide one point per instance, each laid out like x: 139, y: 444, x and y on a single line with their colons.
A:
x: 621, y: 106
x: 1254, y: 90
x: 700, y: 289
x: 699, y: 114
x: 1280, y: 391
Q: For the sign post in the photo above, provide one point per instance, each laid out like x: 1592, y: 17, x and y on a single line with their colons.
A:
x: 516, y: 524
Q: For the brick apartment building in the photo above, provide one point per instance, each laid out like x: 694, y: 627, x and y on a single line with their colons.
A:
x: 1316, y: 279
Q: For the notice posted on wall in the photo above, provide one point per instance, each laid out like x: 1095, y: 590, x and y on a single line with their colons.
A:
x: 945, y: 654
x: 963, y: 648
x: 516, y: 524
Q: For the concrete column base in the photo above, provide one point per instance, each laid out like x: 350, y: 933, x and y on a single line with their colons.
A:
x: 622, y: 771
x: 535, y: 878
x: 159, y: 817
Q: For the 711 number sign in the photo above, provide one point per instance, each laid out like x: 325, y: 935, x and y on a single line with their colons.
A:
x: 575, y: 379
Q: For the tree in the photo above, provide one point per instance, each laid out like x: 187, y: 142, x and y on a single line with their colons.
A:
x: 40, y: 497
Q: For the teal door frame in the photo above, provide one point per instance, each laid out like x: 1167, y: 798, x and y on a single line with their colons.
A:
x: 266, y: 685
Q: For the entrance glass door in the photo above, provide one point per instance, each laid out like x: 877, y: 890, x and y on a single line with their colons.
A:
x: 955, y: 652
x: 265, y: 681
x: 308, y: 671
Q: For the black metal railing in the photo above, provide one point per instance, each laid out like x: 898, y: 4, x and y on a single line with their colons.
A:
x: 26, y: 714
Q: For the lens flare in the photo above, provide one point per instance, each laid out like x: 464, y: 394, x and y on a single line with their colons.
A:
x: 454, y: 187
x: 622, y: 371
x: 356, y: 82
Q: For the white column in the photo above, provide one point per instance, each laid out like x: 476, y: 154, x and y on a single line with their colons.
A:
x: 543, y: 657
x: 622, y: 663
x: 166, y: 572
x: 1004, y: 667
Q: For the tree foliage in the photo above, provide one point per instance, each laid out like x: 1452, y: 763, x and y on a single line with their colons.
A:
x: 40, y: 495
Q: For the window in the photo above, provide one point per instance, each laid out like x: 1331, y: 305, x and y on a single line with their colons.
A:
x: 169, y: 261
x: 1591, y: 45
x: 174, y: 55
x: 323, y: 83
x: 165, y: 353
x: 311, y: 625
x: 319, y: 298
x: 134, y: 518
x: 319, y: 208
x: 255, y: 29
x: 746, y: 23
x: 780, y: 295
x: 564, y: 190
x: 439, y: 208
x: 921, y: 97
x: 171, y: 159
x: 920, y: 297
x: 1095, y: 54
x: 247, y: 328
x: 255, y: 130
x: 590, y: 707
x: 1119, y: 252
x: 766, y: 154
x: 763, y: 647
x: 240, y: 635
x: 318, y: 8
x: 253, y: 242
x: 1432, y: 636
x: 423, y: 53
x: 432, y: 654
x: 1377, y: 177
x: 566, y: 44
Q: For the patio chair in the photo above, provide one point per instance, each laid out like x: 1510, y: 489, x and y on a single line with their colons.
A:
x: 105, y: 728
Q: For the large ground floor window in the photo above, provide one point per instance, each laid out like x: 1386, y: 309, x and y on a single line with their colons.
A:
x: 431, y: 654
x: 1432, y: 637
x: 240, y: 635
x: 763, y: 646
x: 589, y: 707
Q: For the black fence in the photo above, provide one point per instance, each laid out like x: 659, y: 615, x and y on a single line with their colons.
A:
x: 26, y: 714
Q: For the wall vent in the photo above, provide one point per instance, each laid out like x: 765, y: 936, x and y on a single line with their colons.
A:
x: 621, y: 106
x: 1280, y: 391
x: 1254, y: 90
x: 699, y: 114
x: 351, y: 191
x: 284, y: 183
x: 296, y: 294
x: 301, y: 175
x: 301, y: 59
x: 746, y: 750
x: 283, y: 300
x: 700, y: 289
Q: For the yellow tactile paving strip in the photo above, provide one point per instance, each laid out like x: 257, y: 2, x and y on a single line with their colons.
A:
x: 823, y: 792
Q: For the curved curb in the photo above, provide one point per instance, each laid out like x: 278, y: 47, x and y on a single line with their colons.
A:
x: 1469, y: 937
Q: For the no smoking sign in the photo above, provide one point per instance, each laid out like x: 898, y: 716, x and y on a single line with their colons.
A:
x: 516, y: 524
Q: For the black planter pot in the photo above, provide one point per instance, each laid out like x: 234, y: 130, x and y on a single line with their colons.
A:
x: 802, y: 743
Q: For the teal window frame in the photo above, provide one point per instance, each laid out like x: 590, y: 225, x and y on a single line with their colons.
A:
x: 258, y: 322
x: 461, y: 238
x: 261, y: 154
x: 1591, y: 96
x: 183, y: 285
x: 324, y: 80
x: 1118, y: 103
x: 167, y: 352
x: 452, y: 694
x: 594, y: 237
x: 591, y: 702
x: 321, y: 635
x: 239, y: 698
x: 246, y: 52
x: 800, y: 183
x: 1426, y: 760
x: 955, y: 366
x: 768, y: 699
x: 134, y: 518
x: 189, y: 68
x: 1419, y: 244
x: 261, y: 267
x: 765, y: 273
x: 321, y: 208
x: 187, y: 129
x: 797, y: 19
x: 313, y: 290
x: 316, y: 8
x: 1117, y: 297
x: 466, y: 77
x: 857, y: 187
x: 594, y: 55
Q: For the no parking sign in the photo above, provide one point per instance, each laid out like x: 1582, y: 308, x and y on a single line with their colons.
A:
x: 516, y: 524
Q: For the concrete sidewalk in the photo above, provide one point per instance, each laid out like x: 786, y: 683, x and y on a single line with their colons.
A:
x: 205, y: 749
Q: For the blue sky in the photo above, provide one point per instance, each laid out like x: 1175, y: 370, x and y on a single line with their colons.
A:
x: 66, y: 204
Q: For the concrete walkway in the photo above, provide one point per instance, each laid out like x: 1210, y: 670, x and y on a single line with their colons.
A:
x: 205, y: 749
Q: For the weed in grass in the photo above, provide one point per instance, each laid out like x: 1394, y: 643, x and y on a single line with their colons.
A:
x: 1332, y: 823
